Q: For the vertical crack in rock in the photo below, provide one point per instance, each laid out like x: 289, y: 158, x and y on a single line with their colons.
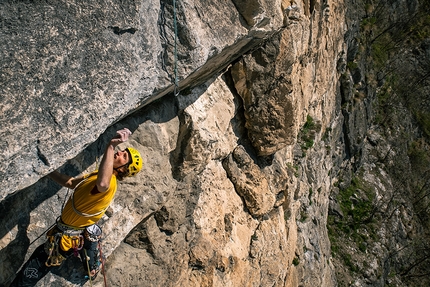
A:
x: 311, y: 6
x: 254, y: 244
x: 184, y: 135
x: 53, y: 118
x: 163, y: 36
x: 239, y: 121
x: 185, y: 42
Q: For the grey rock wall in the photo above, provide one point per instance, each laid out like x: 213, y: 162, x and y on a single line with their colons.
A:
x: 70, y: 69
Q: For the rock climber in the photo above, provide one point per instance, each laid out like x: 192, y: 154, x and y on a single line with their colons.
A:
x: 76, y: 230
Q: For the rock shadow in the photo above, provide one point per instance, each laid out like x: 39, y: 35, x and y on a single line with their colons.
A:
x: 17, y: 208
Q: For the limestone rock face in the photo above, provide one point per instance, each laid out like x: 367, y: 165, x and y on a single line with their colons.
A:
x: 259, y: 13
x: 267, y: 100
x: 228, y: 195
x: 249, y: 182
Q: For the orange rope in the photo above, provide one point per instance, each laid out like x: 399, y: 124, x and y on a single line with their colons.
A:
x: 103, y: 263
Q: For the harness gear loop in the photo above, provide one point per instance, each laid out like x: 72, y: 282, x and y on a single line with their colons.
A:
x: 77, y: 244
x: 54, y: 256
x: 51, y: 249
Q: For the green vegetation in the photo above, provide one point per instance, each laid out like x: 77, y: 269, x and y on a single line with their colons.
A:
x: 418, y: 155
x: 303, y: 216
x: 391, y: 55
x: 293, y: 168
x: 383, y: 106
x: 357, y: 205
x: 419, y: 158
x: 423, y: 119
x: 352, y: 65
x: 308, y: 134
x: 296, y: 261
x: 380, y: 49
x: 421, y: 30
x: 367, y: 23
x: 347, y: 258
x: 287, y: 214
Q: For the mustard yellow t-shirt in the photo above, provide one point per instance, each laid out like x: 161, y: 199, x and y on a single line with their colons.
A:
x: 87, y: 205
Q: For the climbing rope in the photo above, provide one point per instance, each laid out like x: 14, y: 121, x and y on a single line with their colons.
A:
x: 88, y: 268
x: 44, y: 232
x: 49, y: 228
x: 103, y: 263
x: 175, y: 27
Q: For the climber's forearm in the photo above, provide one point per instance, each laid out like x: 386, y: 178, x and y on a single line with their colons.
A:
x: 65, y: 180
x: 106, y: 169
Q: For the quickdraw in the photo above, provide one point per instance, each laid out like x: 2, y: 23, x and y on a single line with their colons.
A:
x: 54, y: 256
x: 52, y: 247
x: 77, y: 244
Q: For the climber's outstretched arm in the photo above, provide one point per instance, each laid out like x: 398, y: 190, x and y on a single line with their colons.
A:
x: 65, y: 180
x: 106, y: 168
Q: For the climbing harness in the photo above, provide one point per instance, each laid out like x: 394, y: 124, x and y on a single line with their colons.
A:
x: 62, y: 237
x: 77, y: 244
x: 54, y: 256
x: 52, y: 247
x: 64, y: 240
x: 67, y: 229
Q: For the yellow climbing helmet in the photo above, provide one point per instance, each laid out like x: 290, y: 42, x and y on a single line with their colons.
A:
x: 136, y: 161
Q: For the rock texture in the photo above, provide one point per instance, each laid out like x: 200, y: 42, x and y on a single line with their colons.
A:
x: 211, y: 207
x: 241, y: 167
x: 70, y: 69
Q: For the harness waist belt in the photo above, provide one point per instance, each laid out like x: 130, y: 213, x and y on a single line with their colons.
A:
x: 69, y: 230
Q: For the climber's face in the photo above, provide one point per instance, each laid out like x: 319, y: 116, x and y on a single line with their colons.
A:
x: 121, y: 159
